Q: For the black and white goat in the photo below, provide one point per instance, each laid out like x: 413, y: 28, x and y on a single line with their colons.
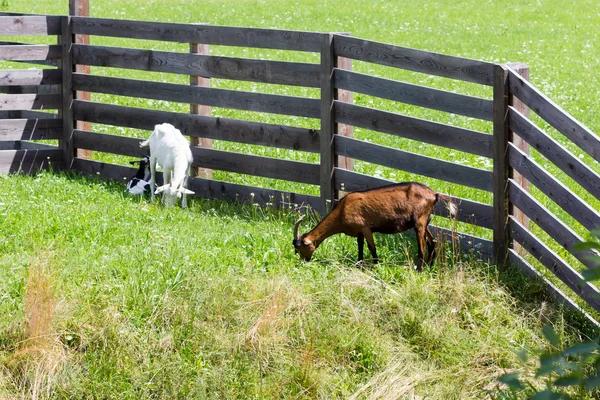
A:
x: 171, y: 150
x: 140, y: 183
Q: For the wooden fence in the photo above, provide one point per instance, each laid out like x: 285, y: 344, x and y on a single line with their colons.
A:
x: 505, y: 85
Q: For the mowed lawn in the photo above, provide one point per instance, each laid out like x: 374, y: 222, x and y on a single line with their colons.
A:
x: 103, y: 295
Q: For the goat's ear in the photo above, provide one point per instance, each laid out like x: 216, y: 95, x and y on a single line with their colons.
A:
x: 161, y: 189
x: 185, y: 191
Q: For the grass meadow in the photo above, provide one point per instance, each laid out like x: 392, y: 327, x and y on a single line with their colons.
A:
x: 103, y: 295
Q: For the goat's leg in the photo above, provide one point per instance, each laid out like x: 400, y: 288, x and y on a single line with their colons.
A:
x: 420, y: 232
x: 371, y: 244
x: 430, y: 246
x: 152, y: 177
x: 361, y: 244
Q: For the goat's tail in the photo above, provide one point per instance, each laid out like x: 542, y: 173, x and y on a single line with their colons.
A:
x: 448, y: 200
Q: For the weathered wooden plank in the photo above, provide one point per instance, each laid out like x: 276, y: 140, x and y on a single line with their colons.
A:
x: 414, y: 94
x: 267, y: 167
x: 265, y: 71
x: 249, y: 101
x: 30, y: 52
x: 564, y: 272
x: 468, y: 244
x: 414, y: 128
x: 29, y: 25
x: 415, y: 163
x: 264, y: 197
x: 26, y: 145
x: 66, y: 112
x: 328, y: 158
x: 114, y: 144
x: 469, y: 211
x: 554, y: 292
x: 205, y: 188
x: 414, y: 60
x: 554, y: 189
x: 27, y: 114
x: 501, y: 167
x: 207, y: 34
x: 29, y: 161
x: 553, y: 151
x: 30, y: 101
x: 30, y: 77
x: 554, y: 227
x: 558, y: 118
x: 30, y: 129
x: 201, y: 126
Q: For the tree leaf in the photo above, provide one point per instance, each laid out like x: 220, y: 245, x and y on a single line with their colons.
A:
x: 512, y: 380
x: 584, y: 246
x: 569, y: 380
x: 550, y: 335
x: 579, y: 348
x: 592, y: 382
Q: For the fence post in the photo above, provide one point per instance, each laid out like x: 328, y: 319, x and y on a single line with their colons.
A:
x: 198, y: 109
x: 81, y: 8
x: 66, y: 112
x: 500, y: 173
x: 328, y: 128
x: 347, y: 97
x: 523, y: 70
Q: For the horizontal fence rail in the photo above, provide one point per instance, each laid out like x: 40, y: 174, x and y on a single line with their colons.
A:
x: 206, y: 34
x: 264, y: 71
x: 414, y: 94
x: 29, y: 25
x: 414, y: 60
x: 248, y: 101
x: 280, y: 136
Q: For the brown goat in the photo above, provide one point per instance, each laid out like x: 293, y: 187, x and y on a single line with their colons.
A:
x: 389, y: 209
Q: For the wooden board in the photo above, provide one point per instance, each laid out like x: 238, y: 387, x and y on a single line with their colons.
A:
x: 30, y: 129
x: 469, y: 211
x: 29, y: 161
x: 555, y: 190
x: 465, y: 244
x: 205, y: 188
x: 555, y: 152
x: 414, y: 163
x: 414, y: 128
x: 123, y: 145
x: 30, y: 101
x: 30, y: 52
x: 558, y: 118
x: 30, y: 77
x: 555, y: 264
x: 554, y: 292
x: 249, y: 101
x: 554, y: 227
x: 414, y: 94
x: 27, y: 114
x: 414, y: 60
x: 201, y: 126
x: 266, y: 71
x: 294, y: 171
x: 29, y: 25
x: 207, y: 34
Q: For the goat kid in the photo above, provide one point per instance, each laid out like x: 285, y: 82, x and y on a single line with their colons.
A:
x: 389, y: 209
x: 170, y: 149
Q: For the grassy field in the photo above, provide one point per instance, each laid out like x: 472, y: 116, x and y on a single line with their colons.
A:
x: 106, y: 296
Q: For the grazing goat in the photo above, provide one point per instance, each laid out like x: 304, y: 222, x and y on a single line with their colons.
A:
x: 170, y: 149
x: 389, y: 209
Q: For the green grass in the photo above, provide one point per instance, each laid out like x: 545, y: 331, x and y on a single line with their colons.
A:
x: 211, y: 302
x: 154, y: 302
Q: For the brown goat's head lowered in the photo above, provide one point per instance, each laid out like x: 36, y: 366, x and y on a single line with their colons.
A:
x: 389, y: 209
x: 304, y: 246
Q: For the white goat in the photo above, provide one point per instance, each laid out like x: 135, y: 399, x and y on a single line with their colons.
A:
x: 171, y: 150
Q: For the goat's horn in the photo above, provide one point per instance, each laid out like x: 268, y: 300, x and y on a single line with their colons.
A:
x: 296, y: 227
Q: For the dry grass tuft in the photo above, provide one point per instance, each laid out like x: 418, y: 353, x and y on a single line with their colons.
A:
x: 39, y: 358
